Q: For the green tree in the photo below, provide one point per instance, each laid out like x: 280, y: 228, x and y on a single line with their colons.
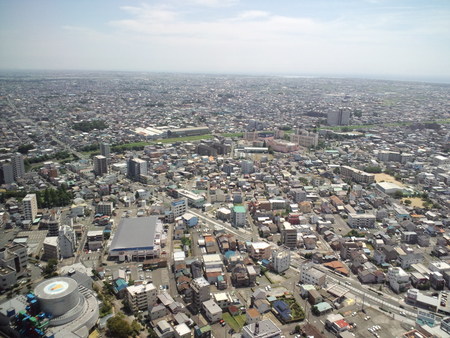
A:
x: 407, y: 202
x: 118, y: 327
x: 398, y: 194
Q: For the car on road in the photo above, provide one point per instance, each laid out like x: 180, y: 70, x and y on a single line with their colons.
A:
x: 222, y: 322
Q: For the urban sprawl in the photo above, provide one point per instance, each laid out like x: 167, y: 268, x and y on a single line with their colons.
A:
x: 174, y: 205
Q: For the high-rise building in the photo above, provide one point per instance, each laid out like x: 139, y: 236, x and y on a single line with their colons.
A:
x: 29, y: 206
x: 18, y: 165
x: 247, y: 167
x: 100, y: 165
x: 179, y: 207
x: 105, y: 149
x: 238, y: 216
x: 51, y: 223
x: 136, y: 167
x: 288, y: 235
x: 339, y: 118
x: 51, y: 248
x: 67, y: 241
x: 141, y: 297
x: 281, y: 260
x: 200, y: 288
x: 6, y: 172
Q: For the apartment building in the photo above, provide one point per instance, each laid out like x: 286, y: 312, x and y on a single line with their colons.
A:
x: 281, y: 260
x: 361, y: 220
x: 310, y: 275
x: 141, y: 297
x: 29, y: 206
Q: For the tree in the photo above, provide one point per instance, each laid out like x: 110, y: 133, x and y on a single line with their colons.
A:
x: 315, y: 310
x: 398, y: 194
x: 407, y: 202
x: 118, y: 327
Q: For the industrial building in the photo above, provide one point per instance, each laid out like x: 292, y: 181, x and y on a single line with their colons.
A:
x: 137, y: 239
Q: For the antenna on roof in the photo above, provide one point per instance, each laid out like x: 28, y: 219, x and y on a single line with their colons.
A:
x: 256, y: 328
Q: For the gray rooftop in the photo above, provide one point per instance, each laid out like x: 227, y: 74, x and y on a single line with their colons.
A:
x: 135, y: 233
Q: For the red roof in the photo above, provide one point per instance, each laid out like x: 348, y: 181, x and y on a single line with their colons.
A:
x: 341, y: 323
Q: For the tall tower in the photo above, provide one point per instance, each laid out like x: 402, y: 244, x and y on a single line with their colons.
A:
x: 18, y: 165
x: 29, y: 206
x: 100, y: 165
x: 105, y: 149
x: 136, y: 167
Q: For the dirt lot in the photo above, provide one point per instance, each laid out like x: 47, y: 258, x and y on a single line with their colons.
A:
x: 387, y: 178
x: 415, y: 201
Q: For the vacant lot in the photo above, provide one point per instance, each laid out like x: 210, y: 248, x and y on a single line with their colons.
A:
x: 415, y: 201
x: 387, y: 178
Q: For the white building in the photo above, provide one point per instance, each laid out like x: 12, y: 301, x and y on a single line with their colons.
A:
x: 135, y: 168
x: 398, y: 279
x: 310, y: 275
x: 51, y: 248
x: 212, y: 311
x: 361, y: 220
x: 67, y: 241
x: 179, y: 207
x: 281, y: 260
x: 289, y: 235
x: 260, y: 250
x: 262, y: 329
x: 141, y: 297
x: 30, y: 208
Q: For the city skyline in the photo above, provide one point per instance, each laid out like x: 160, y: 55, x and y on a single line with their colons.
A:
x: 403, y: 40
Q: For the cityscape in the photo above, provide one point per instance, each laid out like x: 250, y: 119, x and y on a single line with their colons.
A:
x: 177, y: 205
x: 225, y: 169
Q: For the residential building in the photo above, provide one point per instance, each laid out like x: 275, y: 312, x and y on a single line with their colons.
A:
x: 100, y: 165
x: 200, y: 288
x: 281, y: 260
x: 238, y: 216
x: 29, y: 206
x: 288, y: 235
x: 67, y: 241
x: 399, y: 280
x: 212, y: 311
x: 260, y: 250
x: 261, y: 329
x: 94, y: 239
x: 361, y: 220
x: 135, y: 168
x: 51, y: 248
x: 310, y: 275
x: 105, y: 149
x: 357, y: 175
x: 141, y: 297
x: 18, y: 165
x: 51, y: 222
x: 339, y: 118
x: 179, y: 207
x: 252, y: 316
x: 6, y: 172
x: 13, y: 264
x: 104, y: 208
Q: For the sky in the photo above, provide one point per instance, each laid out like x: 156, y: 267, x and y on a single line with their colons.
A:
x: 393, y: 39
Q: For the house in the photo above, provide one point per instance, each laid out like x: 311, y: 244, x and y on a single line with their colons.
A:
x: 252, y: 316
x: 212, y: 311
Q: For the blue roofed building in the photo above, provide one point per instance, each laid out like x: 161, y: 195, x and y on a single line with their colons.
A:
x: 282, y: 310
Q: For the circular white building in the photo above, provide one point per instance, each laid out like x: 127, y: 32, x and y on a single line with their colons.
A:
x: 73, y: 308
x: 58, y: 295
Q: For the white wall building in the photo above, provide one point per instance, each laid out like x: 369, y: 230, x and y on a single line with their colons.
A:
x: 142, y: 297
x: 281, y: 260
x: 30, y: 208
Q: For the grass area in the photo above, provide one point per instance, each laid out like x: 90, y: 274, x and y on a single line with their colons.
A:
x: 296, y: 310
x: 236, y: 323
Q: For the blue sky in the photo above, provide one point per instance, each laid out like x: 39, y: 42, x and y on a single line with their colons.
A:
x: 377, y: 38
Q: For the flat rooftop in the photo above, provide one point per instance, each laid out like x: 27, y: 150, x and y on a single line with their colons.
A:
x: 135, y: 233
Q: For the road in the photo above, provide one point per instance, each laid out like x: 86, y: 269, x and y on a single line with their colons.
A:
x: 241, y: 234
x: 386, y: 301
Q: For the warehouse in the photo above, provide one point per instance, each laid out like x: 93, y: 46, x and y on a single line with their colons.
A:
x: 137, y: 239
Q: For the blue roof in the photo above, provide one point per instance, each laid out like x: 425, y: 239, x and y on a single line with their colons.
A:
x: 229, y: 253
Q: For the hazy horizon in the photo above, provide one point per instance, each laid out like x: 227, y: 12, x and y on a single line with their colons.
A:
x: 373, y: 39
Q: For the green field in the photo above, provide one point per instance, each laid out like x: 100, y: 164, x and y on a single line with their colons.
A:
x: 236, y: 322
